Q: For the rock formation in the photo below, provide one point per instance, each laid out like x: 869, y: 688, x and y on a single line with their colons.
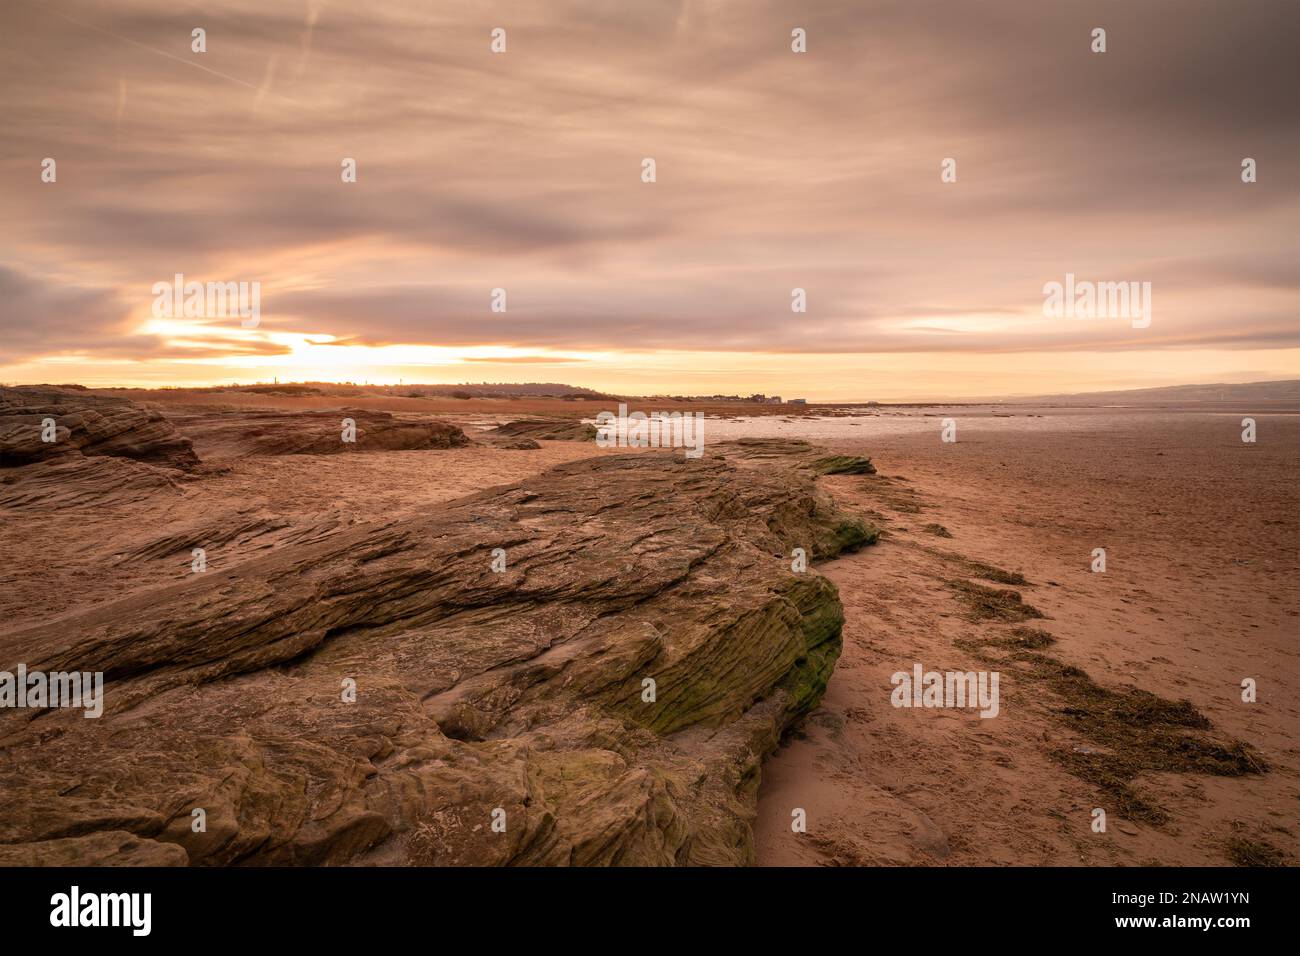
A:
x: 843, y: 465
x: 585, y: 667
x: 545, y: 429
x: 225, y: 434
x: 85, y: 424
x: 111, y: 450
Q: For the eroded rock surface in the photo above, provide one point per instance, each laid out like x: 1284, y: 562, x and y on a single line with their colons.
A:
x: 545, y: 429
x: 233, y: 434
x: 73, y: 481
x: 110, y: 451
x: 522, y: 691
x: 87, y: 425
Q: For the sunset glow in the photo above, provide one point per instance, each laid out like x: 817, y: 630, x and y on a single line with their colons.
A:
x: 522, y: 172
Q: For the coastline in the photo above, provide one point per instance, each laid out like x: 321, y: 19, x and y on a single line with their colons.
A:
x: 1199, y: 593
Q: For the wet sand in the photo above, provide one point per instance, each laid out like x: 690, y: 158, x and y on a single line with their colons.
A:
x: 1200, y: 592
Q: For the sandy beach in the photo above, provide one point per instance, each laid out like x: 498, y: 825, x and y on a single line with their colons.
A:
x: 984, y: 563
x: 838, y: 454
x: 1199, y: 593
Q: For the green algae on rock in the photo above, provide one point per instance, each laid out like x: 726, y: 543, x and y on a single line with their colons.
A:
x: 608, y: 697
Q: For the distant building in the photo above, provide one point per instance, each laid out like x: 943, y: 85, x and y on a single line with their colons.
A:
x: 798, y: 401
x: 774, y: 400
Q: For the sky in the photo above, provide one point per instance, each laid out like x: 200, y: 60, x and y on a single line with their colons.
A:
x: 774, y: 170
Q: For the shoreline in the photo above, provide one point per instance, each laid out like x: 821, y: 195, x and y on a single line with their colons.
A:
x: 1199, y: 592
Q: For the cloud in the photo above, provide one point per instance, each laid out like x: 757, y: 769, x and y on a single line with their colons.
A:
x: 775, y: 171
x: 41, y: 317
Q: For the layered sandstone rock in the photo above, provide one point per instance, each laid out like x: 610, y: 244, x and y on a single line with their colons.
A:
x: 545, y: 429
x: 74, y: 481
x: 609, y: 695
x: 234, y: 434
x: 843, y: 465
x: 85, y: 424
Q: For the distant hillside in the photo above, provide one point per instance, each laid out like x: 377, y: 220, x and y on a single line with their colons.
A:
x: 499, y: 390
x: 414, y: 390
x: 1287, y: 390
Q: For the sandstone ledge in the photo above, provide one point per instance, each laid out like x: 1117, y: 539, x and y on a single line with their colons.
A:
x: 476, y: 690
x: 86, y: 425
x: 545, y: 429
x: 236, y: 434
